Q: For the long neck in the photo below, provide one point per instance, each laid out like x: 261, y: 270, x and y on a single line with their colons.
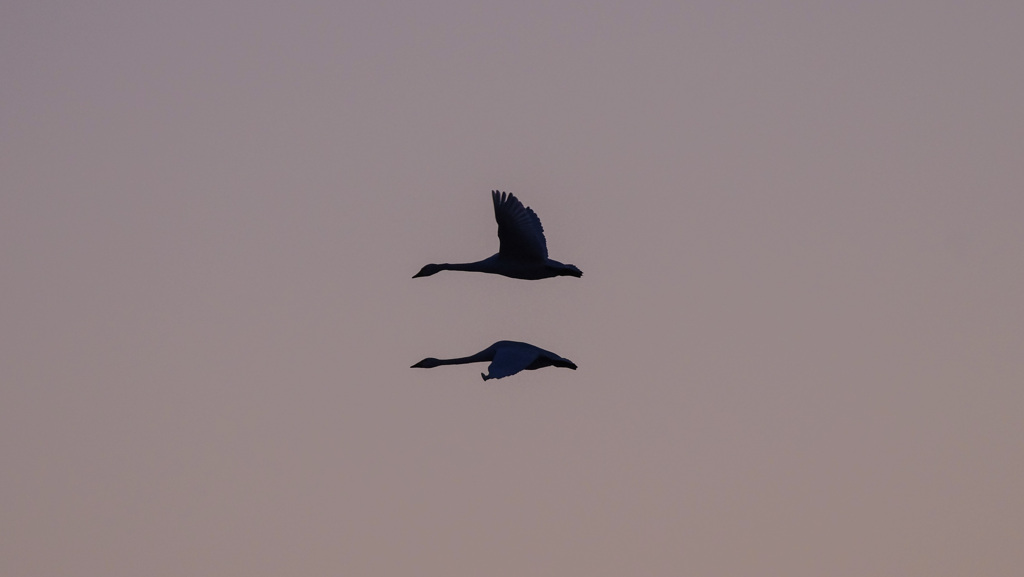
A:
x: 480, y: 266
x: 480, y: 357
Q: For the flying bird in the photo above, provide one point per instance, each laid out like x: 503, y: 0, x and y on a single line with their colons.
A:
x: 507, y: 358
x: 522, y: 251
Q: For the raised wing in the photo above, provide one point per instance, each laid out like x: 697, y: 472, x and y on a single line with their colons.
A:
x: 520, y: 233
x: 509, y: 360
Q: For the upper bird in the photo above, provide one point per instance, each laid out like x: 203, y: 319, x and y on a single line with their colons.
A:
x: 522, y: 252
x: 507, y: 358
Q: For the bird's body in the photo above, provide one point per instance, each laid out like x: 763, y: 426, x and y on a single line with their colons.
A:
x: 523, y: 250
x: 507, y: 358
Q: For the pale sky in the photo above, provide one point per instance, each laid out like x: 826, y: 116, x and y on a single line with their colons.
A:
x: 799, y: 329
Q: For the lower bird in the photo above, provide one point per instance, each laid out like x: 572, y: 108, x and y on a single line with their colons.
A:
x: 507, y: 358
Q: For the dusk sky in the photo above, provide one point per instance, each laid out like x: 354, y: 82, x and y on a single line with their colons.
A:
x: 799, y: 330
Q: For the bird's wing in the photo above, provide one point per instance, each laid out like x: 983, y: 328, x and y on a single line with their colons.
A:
x: 519, y: 230
x: 510, y: 360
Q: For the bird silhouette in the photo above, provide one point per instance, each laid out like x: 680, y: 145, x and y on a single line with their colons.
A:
x: 507, y: 358
x: 522, y: 251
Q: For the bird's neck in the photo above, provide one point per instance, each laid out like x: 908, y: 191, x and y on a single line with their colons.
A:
x: 479, y: 266
x: 465, y: 266
x: 477, y: 358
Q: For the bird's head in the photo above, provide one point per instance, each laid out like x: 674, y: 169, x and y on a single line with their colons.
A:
x: 427, y: 363
x: 428, y: 270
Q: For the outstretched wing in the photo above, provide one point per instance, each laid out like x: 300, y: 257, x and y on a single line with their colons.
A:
x: 510, y: 360
x: 519, y: 230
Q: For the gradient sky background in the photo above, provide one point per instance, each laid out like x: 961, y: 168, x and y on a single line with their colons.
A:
x: 799, y: 330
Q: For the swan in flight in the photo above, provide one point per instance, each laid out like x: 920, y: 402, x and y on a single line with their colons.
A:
x: 522, y: 251
x: 507, y: 358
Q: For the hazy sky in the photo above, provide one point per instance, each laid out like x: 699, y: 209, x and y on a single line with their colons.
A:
x: 800, y: 328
